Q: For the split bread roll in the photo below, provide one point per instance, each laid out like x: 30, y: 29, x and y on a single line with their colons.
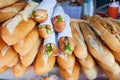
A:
x: 30, y: 56
x: 2, y: 43
x: 80, y: 50
x: 8, y: 12
x: 3, y: 69
x: 74, y: 75
x: 19, y: 70
x: 21, y: 30
x: 91, y: 74
x: 43, y: 63
x: 7, y: 55
x: 87, y: 63
x: 66, y: 61
x: 96, y: 47
x: 4, y: 3
x: 26, y: 44
x: 108, y: 32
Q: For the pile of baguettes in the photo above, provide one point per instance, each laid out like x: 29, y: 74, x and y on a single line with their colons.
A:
x: 93, y: 44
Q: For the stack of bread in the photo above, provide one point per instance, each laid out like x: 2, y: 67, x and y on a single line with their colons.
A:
x: 28, y: 37
x: 9, y: 8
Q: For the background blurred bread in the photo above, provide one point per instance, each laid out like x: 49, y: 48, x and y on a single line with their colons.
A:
x: 4, y: 3
x: 10, y: 11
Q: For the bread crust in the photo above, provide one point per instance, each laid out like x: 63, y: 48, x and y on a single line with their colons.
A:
x: 10, y: 11
x: 4, y: 3
x: 97, y: 49
x: 21, y: 30
x: 25, y: 45
x: 80, y: 50
x: 40, y: 67
x: 75, y: 73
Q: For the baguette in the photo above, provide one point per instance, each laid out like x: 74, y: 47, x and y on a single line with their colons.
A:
x: 96, y: 47
x: 8, y: 12
x: 66, y: 61
x: 3, y: 69
x: 21, y: 30
x: 115, y: 69
x: 4, y: 3
x: 29, y: 58
x: 7, y: 56
x: 43, y: 63
x: 108, y: 32
x: 74, y: 75
x: 91, y: 74
x: 80, y: 50
x: 88, y: 63
x: 19, y: 70
x: 26, y: 44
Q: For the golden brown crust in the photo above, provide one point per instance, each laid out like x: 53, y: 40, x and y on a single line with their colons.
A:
x: 4, y: 3
x: 3, y: 69
x: 2, y: 43
x: 40, y: 15
x: 26, y: 44
x: 66, y: 61
x: 62, y: 45
x: 91, y: 74
x: 115, y: 69
x: 14, y: 61
x: 28, y: 59
x: 19, y: 70
x: 40, y: 67
x: 9, y: 12
x: 22, y: 29
x: 75, y: 73
x: 96, y: 47
x: 58, y: 25
x: 88, y: 63
x: 7, y: 57
x: 107, y: 32
x: 80, y: 50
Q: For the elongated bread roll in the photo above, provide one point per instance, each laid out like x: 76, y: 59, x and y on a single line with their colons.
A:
x: 91, y: 74
x: 4, y: 3
x: 7, y: 55
x: 2, y: 43
x: 88, y: 63
x: 43, y: 63
x: 74, y: 75
x: 115, y: 69
x: 13, y: 62
x: 80, y: 50
x: 8, y: 12
x: 112, y: 76
x: 96, y: 47
x: 108, y: 32
x: 19, y: 70
x: 29, y: 58
x: 3, y: 69
x: 66, y: 61
x: 21, y: 30
x: 26, y: 44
